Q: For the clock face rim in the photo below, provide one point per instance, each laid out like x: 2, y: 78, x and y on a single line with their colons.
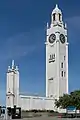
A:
x: 62, y: 38
x: 53, y: 40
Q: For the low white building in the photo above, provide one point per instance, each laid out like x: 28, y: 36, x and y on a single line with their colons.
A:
x: 56, y: 70
x: 36, y: 102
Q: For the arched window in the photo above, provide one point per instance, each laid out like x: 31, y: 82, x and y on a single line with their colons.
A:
x: 64, y: 57
x: 54, y: 17
x: 62, y: 65
x: 59, y: 17
x: 62, y: 73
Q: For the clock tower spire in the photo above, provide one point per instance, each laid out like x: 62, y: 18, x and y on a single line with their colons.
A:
x: 56, y: 16
x: 56, y: 56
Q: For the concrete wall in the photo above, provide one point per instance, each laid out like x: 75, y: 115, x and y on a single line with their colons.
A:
x: 9, y: 90
x: 56, y: 83
x: 35, y: 102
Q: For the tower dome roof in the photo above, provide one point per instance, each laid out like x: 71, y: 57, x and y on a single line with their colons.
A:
x: 56, y: 10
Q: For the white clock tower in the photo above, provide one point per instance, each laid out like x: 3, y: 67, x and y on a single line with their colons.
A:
x: 56, y: 56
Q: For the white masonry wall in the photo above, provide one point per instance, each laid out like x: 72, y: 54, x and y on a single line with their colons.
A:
x: 36, y: 102
x: 56, y: 75
x: 16, y: 87
x: 9, y: 90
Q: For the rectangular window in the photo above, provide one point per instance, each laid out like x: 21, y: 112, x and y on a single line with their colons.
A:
x: 62, y: 65
x: 52, y: 58
x: 59, y: 17
x: 54, y: 17
x: 64, y: 57
x: 62, y: 73
x: 51, y: 78
x: 51, y: 95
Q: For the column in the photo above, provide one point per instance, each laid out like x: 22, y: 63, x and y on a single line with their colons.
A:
x: 67, y: 67
x: 46, y: 70
x: 57, y: 72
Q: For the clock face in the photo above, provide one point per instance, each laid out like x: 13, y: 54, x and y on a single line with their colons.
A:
x: 62, y: 38
x: 52, y: 38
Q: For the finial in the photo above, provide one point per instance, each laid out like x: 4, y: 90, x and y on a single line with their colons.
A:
x: 47, y: 25
x: 8, y: 68
x: 65, y: 25
x: 17, y: 68
x: 12, y: 64
x: 56, y: 6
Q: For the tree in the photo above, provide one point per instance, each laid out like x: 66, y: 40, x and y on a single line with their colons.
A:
x: 72, y: 99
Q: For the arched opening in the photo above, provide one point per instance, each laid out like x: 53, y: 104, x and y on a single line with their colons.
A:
x: 54, y: 17
x: 59, y: 17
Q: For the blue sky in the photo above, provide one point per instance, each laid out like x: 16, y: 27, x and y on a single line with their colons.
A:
x: 22, y: 37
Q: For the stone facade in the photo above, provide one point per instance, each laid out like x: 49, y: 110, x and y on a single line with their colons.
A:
x: 56, y: 56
